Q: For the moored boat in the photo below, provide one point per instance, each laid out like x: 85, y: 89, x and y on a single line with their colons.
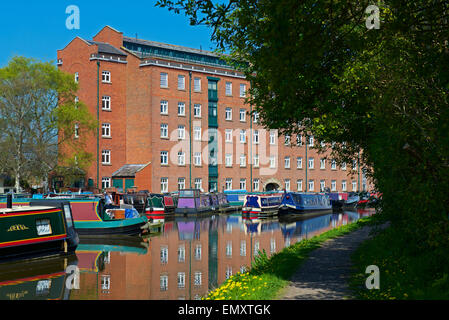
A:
x: 300, y: 203
x: 192, y: 201
x: 352, y: 201
x: 262, y: 204
x: 36, y: 231
x: 337, y: 199
x: 154, y: 206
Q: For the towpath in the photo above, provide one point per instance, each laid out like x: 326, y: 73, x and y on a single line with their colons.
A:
x: 326, y: 272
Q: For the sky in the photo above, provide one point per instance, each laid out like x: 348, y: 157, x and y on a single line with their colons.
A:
x: 37, y: 29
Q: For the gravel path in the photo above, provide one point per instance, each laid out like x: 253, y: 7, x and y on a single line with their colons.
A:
x: 325, y: 273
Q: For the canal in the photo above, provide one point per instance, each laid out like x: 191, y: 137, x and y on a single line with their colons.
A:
x: 185, y: 260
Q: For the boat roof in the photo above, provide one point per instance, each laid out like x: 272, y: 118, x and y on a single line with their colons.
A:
x: 25, y: 208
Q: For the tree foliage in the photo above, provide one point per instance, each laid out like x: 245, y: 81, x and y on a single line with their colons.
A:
x: 316, y: 68
x: 38, y: 114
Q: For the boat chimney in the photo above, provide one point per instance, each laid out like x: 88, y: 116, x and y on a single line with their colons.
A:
x: 9, y: 201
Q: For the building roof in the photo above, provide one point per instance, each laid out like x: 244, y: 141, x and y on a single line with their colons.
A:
x: 129, y: 170
x: 107, y: 48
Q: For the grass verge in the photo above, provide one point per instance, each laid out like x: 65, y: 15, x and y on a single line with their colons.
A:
x: 404, y: 273
x: 269, y: 275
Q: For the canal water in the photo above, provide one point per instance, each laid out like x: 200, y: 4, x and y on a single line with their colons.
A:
x: 185, y: 260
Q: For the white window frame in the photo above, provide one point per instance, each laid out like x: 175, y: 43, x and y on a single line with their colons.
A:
x: 164, y: 158
x: 197, y: 84
x: 164, y: 185
x: 334, y: 185
x: 228, y: 114
x: 106, y: 103
x: 106, y: 156
x: 242, y: 115
x: 228, y: 160
x: 242, y: 136
x: 228, y: 135
x: 181, y: 132
x: 287, y: 162
x: 181, y: 158
x: 106, y: 130
x: 299, y: 163
x: 256, y: 184
x: 228, y: 184
x: 229, y: 89
x: 105, y: 182
x: 322, y: 163
x: 198, y: 183
x: 164, y: 80
x: 299, y: 185
x: 311, y: 163
x: 242, y: 90
x: 164, y: 107
x: 106, y: 76
x: 197, y: 159
x: 287, y: 184
x: 311, y: 185
x: 181, y: 82
x: 197, y: 133
x: 164, y: 130
x: 181, y: 108
x: 181, y: 183
x: 197, y: 110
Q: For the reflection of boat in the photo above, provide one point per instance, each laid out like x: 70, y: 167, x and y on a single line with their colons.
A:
x: 36, y: 230
x: 123, y: 244
x: 192, y: 201
x: 300, y: 203
x: 300, y: 227
x: 262, y: 204
x: 43, y: 279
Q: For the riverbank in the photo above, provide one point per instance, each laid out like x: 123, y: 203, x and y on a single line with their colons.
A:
x: 405, y: 273
x: 268, y: 276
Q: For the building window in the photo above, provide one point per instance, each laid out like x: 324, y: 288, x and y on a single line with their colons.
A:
x: 229, y: 249
x: 272, y: 137
x: 77, y: 130
x: 106, y: 77
x: 322, y: 163
x: 311, y: 163
x: 311, y: 185
x: 181, y: 158
x: 197, y: 111
x: 229, y: 88
x: 272, y: 245
x: 164, y: 80
x: 287, y: 184
x: 322, y: 185
x: 228, y: 135
x: 354, y: 165
x: 343, y: 166
x: 106, y: 130
x: 257, y: 247
x: 181, y: 82
x: 228, y: 184
x: 256, y: 161
x: 242, y: 136
x: 299, y: 140
x: 242, y: 115
x: 354, y: 186
x: 242, y: 160
x: 299, y: 163
x: 106, y: 156
x: 256, y: 184
x: 164, y: 107
x: 77, y: 77
x: 242, y: 90
x: 199, y: 183
x: 287, y: 140
x: 181, y: 183
x: 198, y: 252
x: 105, y: 183
x: 242, y: 184
x: 197, y: 84
x: 334, y: 185
x: 197, y: 133
x: 287, y: 162
x: 243, y: 248
x: 181, y: 280
x: 181, y: 254
x: 334, y: 164
x: 164, y: 283
x: 164, y: 255
x: 181, y: 109
x: 197, y: 281
x: 106, y: 103
x: 164, y: 185
x: 181, y: 132
x: 228, y: 114
x: 299, y: 185
x: 228, y: 160
x: 164, y: 158
x: 256, y: 136
x: 105, y: 283
x: 164, y: 130
x: 256, y: 117
x: 272, y: 162
x: 197, y: 158
x: 343, y: 185
x: 310, y: 141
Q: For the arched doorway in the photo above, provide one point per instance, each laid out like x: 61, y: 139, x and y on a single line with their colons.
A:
x: 272, y: 187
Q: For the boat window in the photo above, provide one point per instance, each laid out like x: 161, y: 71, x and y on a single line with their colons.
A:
x: 68, y: 215
x: 187, y: 193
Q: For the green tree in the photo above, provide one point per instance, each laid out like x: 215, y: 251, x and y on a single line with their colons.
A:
x: 38, y: 114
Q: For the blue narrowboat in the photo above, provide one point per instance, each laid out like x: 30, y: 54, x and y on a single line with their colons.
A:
x: 262, y: 204
x: 298, y: 203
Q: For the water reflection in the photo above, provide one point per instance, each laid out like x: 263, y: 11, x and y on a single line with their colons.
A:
x: 187, y: 259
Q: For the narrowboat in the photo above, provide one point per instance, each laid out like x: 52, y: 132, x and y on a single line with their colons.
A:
x: 91, y: 217
x: 154, y: 206
x: 36, y: 231
x: 192, y: 201
x: 300, y: 203
x: 352, y: 201
x: 236, y: 198
x: 337, y: 199
x: 262, y: 204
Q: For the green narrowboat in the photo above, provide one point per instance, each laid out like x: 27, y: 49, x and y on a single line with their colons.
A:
x: 35, y: 231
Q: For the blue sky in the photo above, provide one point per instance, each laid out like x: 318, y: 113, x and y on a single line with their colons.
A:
x: 37, y: 29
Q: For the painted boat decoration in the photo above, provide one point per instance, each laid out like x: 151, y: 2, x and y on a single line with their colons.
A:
x: 192, y: 201
x: 262, y: 204
x: 154, y: 206
x: 36, y: 231
x: 92, y: 218
x: 300, y: 203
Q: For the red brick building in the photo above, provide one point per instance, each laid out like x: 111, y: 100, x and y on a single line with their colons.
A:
x: 172, y: 117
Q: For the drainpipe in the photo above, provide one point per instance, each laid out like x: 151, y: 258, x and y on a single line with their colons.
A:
x: 306, y: 163
x: 251, y: 146
x: 98, y: 124
x: 190, y: 128
x: 358, y: 172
